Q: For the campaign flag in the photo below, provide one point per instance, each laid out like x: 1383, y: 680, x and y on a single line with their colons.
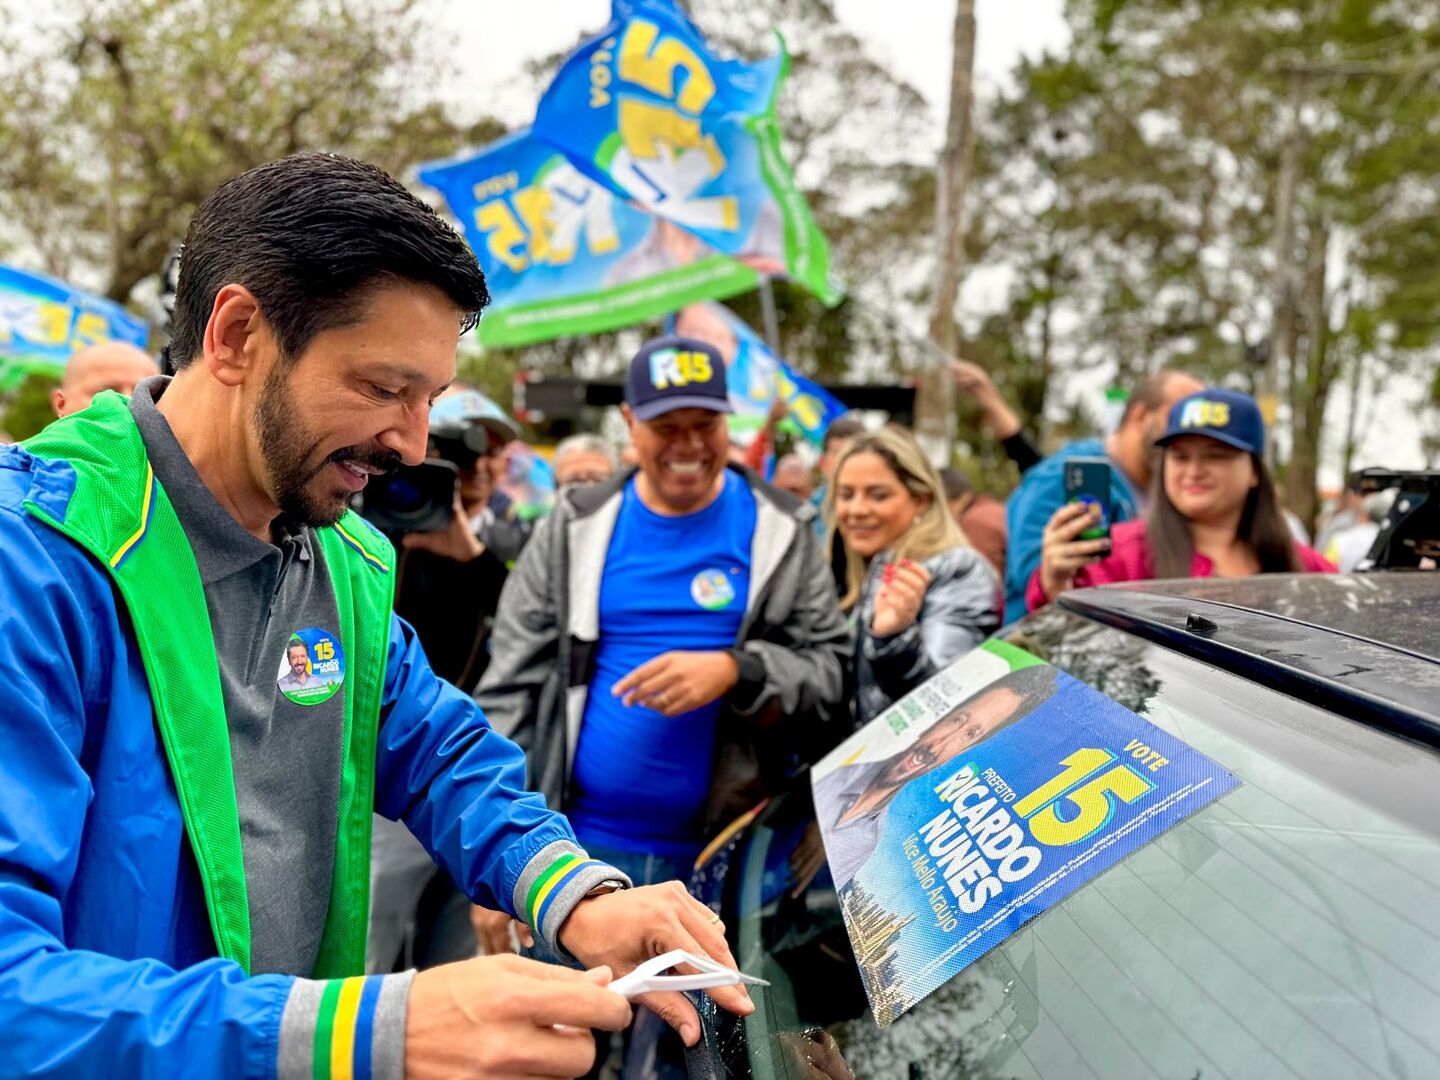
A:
x: 562, y: 254
x: 980, y: 801
x: 529, y: 481
x: 647, y: 109
x: 43, y: 322
x: 755, y: 376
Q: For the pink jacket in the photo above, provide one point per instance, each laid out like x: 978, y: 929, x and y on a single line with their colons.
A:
x: 1131, y: 559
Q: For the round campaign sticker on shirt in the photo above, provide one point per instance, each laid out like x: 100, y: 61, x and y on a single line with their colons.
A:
x: 711, y: 589
x: 313, y: 667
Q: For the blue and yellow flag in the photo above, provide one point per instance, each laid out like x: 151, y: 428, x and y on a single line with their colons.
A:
x: 562, y: 254
x: 755, y: 377
x: 646, y: 109
x: 43, y: 322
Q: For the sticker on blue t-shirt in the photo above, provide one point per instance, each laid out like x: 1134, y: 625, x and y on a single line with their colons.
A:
x: 313, y: 667
x: 711, y: 589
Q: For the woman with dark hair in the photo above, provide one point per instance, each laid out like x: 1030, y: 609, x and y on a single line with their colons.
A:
x: 1213, y: 511
x: 919, y: 596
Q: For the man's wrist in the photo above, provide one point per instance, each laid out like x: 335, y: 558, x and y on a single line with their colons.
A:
x: 749, y: 678
x: 733, y: 664
x: 1001, y: 419
x: 364, y: 1017
x: 473, y: 547
x: 556, y: 881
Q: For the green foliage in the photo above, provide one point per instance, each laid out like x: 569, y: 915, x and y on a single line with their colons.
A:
x: 1129, y: 187
x: 124, y: 114
x: 29, y: 407
x: 1123, y: 190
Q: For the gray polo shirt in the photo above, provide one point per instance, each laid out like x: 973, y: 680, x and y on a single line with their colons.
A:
x: 285, y: 754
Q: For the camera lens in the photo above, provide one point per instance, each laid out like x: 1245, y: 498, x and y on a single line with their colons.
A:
x: 405, y: 496
x: 415, y: 498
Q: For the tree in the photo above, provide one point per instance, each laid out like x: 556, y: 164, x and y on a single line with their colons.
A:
x: 1133, y: 187
x: 123, y: 115
x: 29, y: 408
x: 935, y: 407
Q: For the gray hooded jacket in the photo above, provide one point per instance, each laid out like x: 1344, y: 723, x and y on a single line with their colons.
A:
x: 960, y: 610
x: 793, y: 650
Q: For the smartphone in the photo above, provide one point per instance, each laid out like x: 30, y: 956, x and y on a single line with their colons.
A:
x: 1087, y: 480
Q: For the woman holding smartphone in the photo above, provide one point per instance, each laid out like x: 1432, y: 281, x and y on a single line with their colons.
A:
x: 918, y: 595
x: 1213, y: 511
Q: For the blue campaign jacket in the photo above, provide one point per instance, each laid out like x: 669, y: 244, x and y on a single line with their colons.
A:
x: 107, y: 961
x: 1034, y: 502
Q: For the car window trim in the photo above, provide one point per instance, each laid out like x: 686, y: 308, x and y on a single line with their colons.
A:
x: 1370, y: 709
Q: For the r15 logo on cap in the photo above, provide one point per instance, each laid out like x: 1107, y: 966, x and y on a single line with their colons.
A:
x: 1202, y: 413
x: 673, y: 367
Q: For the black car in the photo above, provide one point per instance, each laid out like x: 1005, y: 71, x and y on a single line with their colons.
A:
x: 1290, y: 929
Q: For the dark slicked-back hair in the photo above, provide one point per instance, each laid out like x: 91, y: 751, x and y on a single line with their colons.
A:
x: 311, y: 236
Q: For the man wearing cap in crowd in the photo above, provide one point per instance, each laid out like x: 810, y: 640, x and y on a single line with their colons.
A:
x: 1131, y: 451
x: 668, y: 631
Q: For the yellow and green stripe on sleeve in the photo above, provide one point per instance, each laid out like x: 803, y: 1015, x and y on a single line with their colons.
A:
x: 344, y: 1029
x: 556, y: 879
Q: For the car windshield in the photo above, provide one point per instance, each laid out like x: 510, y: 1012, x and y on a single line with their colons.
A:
x: 1290, y: 929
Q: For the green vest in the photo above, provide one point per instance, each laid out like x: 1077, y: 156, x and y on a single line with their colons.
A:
x: 121, y: 515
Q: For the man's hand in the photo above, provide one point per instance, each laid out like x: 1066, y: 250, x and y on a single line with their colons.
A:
x: 902, y: 593
x: 778, y: 411
x: 505, y: 1016
x: 456, y: 541
x: 622, y: 930
x: 1061, y: 555
x: 676, y: 682
x: 492, y: 931
x: 995, y: 411
x: 813, y: 1055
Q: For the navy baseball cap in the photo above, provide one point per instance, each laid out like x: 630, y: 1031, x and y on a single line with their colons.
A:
x: 1226, y: 416
x: 670, y: 373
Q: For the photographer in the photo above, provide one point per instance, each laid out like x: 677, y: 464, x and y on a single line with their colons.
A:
x: 450, y: 578
x: 448, y: 587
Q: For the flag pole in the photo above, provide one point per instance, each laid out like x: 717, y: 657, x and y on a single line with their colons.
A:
x: 768, y: 315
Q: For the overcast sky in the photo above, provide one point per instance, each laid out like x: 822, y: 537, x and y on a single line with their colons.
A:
x: 911, y: 36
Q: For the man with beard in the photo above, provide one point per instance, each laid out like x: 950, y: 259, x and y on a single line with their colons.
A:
x: 184, y: 847
x: 855, y: 798
x: 300, y: 677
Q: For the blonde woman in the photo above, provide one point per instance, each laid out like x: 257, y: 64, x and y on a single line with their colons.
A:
x: 918, y: 595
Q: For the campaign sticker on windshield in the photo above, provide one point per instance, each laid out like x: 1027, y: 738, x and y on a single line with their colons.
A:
x: 982, y: 800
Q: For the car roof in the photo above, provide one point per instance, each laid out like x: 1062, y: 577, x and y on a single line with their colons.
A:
x: 1366, y: 645
x: 1400, y: 609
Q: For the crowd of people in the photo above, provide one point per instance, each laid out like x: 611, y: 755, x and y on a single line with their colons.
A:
x: 680, y: 636
x: 549, y: 718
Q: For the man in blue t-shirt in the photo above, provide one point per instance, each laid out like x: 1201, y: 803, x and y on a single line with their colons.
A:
x: 658, y: 624
x: 1131, y: 450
